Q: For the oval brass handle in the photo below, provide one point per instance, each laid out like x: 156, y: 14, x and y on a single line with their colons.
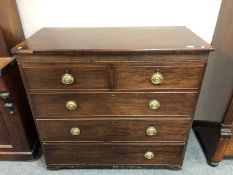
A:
x: 71, y: 105
x: 149, y: 155
x: 157, y: 78
x: 67, y: 79
x: 151, y: 131
x: 75, y: 131
x: 154, y: 104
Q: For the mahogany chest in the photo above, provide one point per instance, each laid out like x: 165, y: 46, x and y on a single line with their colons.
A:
x: 113, y: 97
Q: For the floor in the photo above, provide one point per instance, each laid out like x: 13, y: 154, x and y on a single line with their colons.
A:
x: 194, y: 164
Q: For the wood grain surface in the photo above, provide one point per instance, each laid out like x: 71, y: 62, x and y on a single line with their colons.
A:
x: 110, y: 104
x: 113, y: 154
x: 127, y: 130
x: 110, y: 40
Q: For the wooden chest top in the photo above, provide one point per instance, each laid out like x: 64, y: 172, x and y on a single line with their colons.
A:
x: 111, y: 40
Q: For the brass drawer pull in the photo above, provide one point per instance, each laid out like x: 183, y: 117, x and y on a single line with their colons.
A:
x: 75, y: 131
x: 151, y: 131
x: 154, y: 104
x: 67, y: 79
x: 71, y: 105
x: 157, y: 78
x: 149, y: 155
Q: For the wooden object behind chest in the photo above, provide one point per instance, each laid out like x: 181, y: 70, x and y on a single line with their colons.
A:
x: 214, y: 110
x: 113, y: 97
x: 18, y: 137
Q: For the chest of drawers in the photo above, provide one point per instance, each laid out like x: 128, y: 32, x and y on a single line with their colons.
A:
x: 113, y: 97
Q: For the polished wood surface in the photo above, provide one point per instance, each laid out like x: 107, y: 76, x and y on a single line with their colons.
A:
x: 216, y: 94
x: 65, y: 155
x: 127, y: 39
x: 135, y: 104
x: 112, y: 92
x: 86, y: 77
x: 175, y: 77
x: 130, y: 130
x: 39, y: 60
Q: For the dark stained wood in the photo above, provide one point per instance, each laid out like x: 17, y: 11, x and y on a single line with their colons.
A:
x: 113, y: 67
x: 216, y: 138
x: 143, y: 58
x: 229, y: 120
x: 18, y: 137
x: 175, y: 77
x: 229, y: 149
x: 10, y: 23
x: 110, y: 104
x: 110, y: 40
x: 208, y: 134
x: 216, y: 103
x: 86, y: 77
x: 127, y: 130
x: 4, y: 136
x: 227, y: 142
x: 113, y: 154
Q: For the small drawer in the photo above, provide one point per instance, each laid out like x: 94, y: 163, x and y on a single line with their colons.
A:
x: 67, y: 77
x: 70, y: 154
x: 157, y: 77
x: 146, y: 130
x: 113, y: 104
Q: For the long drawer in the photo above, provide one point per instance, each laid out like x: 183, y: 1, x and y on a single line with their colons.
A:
x: 158, y: 77
x: 114, y: 154
x: 154, y: 103
x: 145, y: 130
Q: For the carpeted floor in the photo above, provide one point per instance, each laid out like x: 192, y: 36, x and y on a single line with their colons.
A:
x: 194, y: 164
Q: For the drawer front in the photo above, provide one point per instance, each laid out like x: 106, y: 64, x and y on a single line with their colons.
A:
x: 114, y: 154
x: 67, y: 77
x: 114, y: 130
x: 163, y: 77
x: 113, y: 104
